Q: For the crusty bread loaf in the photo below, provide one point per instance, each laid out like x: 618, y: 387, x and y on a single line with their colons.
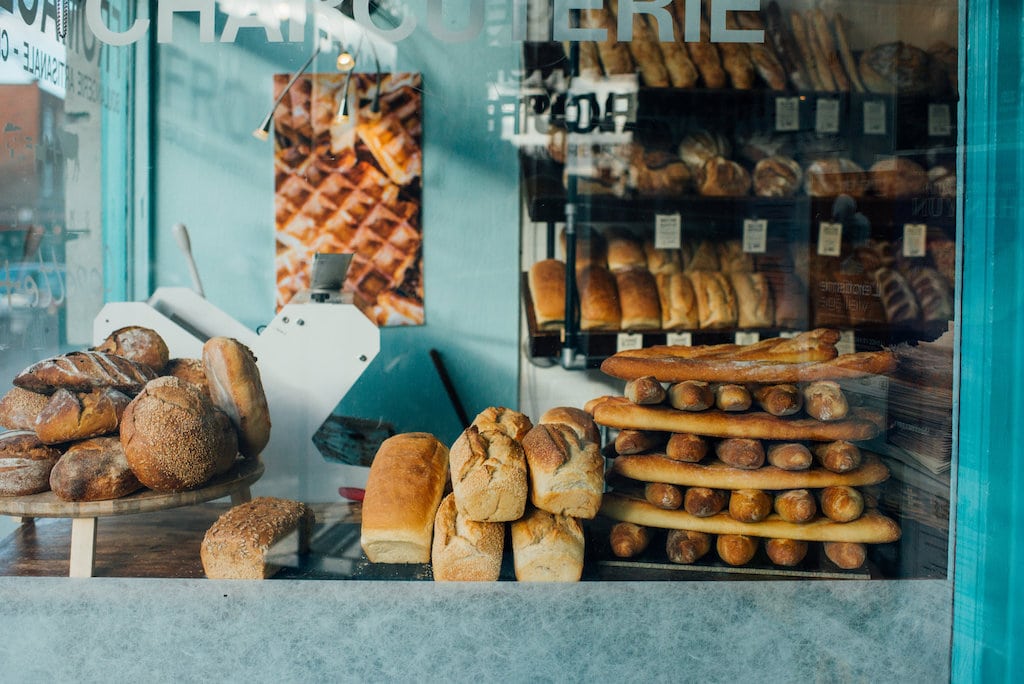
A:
x: 488, y: 473
x: 579, y: 420
x: 172, y: 437
x: 502, y: 419
x: 638, y: 299
x: 236, y: 389
x: 566, y: 472
x: 546, y: 281
x: 237, y: 545
x: 785, y: 552
x: 25, y: 463
x: 795, y: 505
x: 678, y: 302
x: 465, y: 550
x: 189, y: 370
x: 754, y: 305
x: 777, y: 176
x: 628, y: 540
x: 732, y: 258
x: 736, y: 549
x: 403, y: 490
x: 547, y: 547
x: 19, y: 408
x: 93, y: 470
x: 645, y: 390
x: 139, y: 344
x: 895, y: 177
x: 663, y: 261
x: 684, y: 546
x: 716, y: 300
x: 599, y: 299
x: 835, y: 176
x: 704, y: 502
x: 721, y: 177
x: 79, y: 415
x: 84, y: 371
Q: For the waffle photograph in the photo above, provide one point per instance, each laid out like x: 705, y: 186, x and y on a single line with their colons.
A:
x: 351, y: 184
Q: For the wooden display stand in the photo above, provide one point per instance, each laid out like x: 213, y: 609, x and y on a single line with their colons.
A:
x: 84, y: 515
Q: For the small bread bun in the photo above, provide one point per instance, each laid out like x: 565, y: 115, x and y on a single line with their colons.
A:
x: 171, y: 436
x: 25, y: 463
x: 19, y: 408
x: 236, y: 389
x: 189, y: 370
x: 138, y: 344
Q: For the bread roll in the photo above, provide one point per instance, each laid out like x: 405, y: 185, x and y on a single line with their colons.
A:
x: 581, y: 422
x: 172, y: 437
x: 846, y: 555
x: 796, y: 505
x: 403, y: 491
x: 684, y: 546
x: 841, y: 503
x: 139, y: 344
x: 704, y: 502
x: 779, y: 400
x: 189, y: 370
x: 19, y: 408
x: 79, y: 415
x: 777, y: 176
x: 239, y: 544
x: 547, y: 547
x: 93, y: 470
x: 896, y: 177
x: 686, y: 447
x: 691, y: 395
x: 730, y: 397
x: 501, y: 419
x: 785, y: 552
x: 824, y: 400
x: 740, y: 452
x: 566, y: 472
x: 638, y: 299
x: 662, y: 495
x: 736, y: 549
x: 546, y: 281
x: 638, y: 441
x: 625, y: 251
x: 488, y: 473
x: 465, y: 550
x: 840, y: 456
x: 749, y: 505
x: 896, y: 67
x: 599, y: 299
x: 678, y: 301
x: 628, y: 540
x: 25, y: 463
x: 789, y: 456
x: 236, y: 389
x: 721, y: 177
x: 716, y: 300
x: 84, y: 371
x: 645, y: 390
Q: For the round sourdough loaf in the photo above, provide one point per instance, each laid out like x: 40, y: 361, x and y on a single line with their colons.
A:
x: 25, y: 463
x: 93, y: 470
x: 236, y: 389
x: 172, y: 437
x: 139, y: 344
x: 189, y: 370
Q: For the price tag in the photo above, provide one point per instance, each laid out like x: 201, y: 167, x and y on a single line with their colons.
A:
x: 787, y: 114
x: 874, y: 117
x: 826, y: 116
x: 790, y: 334
x: 847, y: 343
x: 747, y: 337
x: 755, y: 236
x: 915, y: 239
x: 830, y: 238
x: 668, y: 231
x: 628, y: 341
x: 940, y: 121
x: 679, y: 339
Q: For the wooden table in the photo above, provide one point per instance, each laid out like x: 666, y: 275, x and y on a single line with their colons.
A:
x: 84, y: 515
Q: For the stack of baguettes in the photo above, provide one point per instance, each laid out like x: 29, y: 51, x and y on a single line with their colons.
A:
x: 746, y: 443
x: 539, y: 479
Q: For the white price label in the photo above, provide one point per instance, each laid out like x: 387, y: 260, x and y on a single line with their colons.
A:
x: 668, y: 231
x: 940, y: 120
x: 755, y: 236
x: 747, y: 337
x: 874, y: 117
x: 826, y: 116
x: 915, y: 237
x: 628, y: 341
x: 787, y: 114
x: 679, y: 339
x: 830, y: 238
x: 847, y: 343
x: 790, y: 334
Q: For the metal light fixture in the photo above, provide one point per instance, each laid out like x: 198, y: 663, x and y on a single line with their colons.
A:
x: 263, y: 131
x: 346, y: 62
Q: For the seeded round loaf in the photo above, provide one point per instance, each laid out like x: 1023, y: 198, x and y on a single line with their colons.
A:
x: 190, y: 370
x: 19, y: 408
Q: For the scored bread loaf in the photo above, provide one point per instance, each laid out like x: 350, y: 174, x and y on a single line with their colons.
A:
x: 236, y: 388
x: 237, y: 546
x: 465, y: 550
x: 93, y: 470
x: 19, y: 408
x: 547, y: 547
x: 488, y: 472
x: 511, y: 422
x: 84, y: 371
x: 566, y: 472
x: 139, y: 344
x: 25, y: 463
x: 579, y: 420
x: 79, y: 415
x: 403, y: 490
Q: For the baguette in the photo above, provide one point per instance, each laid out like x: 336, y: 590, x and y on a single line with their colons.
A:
x: 717, y: 475
x: 785, y: 552
x: 824, y: 400
x: 795, y: 505
x: 685, y: 546
x: 691, y: 395
x: 615, y: 56
x: 740, y: 452
x: 779, y: 400
x: 842, y: 503
x: 465, y: 550
x: 790, y: 456
x: 713, y: 423
x: 846, y: 555
x: 638, y: 441
x: 704, y: 502
x: 84, y: 371
x: 628, y: 540
x: 736, y: 549
x: 870, y: 528
x: 237, y: 545
x: 730, y: 397
x: 749, y: 505
x: 847, y: 55
x: 662, y: 495
x: 819, y: 27
x: 645, y: 390
x: 840, y: 456
x: 686, y: 447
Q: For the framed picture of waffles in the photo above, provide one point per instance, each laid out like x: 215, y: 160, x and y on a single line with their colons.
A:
x: 348, y: 163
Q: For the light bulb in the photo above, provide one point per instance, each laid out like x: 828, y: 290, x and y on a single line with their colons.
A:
x: 345, y: 61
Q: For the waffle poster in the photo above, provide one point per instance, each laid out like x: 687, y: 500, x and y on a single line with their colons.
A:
x: 352, y: 184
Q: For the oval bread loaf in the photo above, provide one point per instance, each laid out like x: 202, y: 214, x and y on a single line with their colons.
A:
x: 139, y: 344
x: 236, y: 389
x: 79, y: 415
x: 84, y: 371
x: 488, y: 472
x: 25, y: 463
x: 93, y: 470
